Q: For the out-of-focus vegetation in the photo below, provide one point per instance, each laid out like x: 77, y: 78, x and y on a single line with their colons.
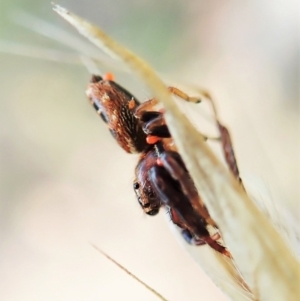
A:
x: 65, y: 182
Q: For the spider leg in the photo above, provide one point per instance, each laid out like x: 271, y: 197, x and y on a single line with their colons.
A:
x: 150, y: 103
x: 147, y: 105
x: 154, y: 124
x: 173, y: 163
x: 183, y: 95
x: 226, y: 141
x: 186, y: 234
x: 171, y: 195
x: 228, y: 151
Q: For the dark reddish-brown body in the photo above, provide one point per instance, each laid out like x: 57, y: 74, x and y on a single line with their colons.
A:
x: 161, y: 178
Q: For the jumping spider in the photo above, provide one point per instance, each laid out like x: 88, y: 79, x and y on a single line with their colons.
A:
x: 161, y: 178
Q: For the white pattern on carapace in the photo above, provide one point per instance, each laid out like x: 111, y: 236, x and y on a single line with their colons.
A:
x: 105, y: 97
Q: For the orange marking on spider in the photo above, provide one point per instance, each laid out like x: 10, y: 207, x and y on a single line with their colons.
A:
x: 152, y: 139
x: 131, y: 104
x: 108, y: 76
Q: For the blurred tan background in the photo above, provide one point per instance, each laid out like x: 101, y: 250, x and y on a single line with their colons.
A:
x: 64, y: 181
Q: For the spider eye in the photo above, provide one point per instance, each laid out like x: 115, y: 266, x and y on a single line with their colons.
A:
x: 136, y: 185
x: 104, y: 117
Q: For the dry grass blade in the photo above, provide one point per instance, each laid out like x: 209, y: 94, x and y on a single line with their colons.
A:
x: 266, y: 263
x: 54, y: 33
x: 158, y: 295
x: 39, y: 53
